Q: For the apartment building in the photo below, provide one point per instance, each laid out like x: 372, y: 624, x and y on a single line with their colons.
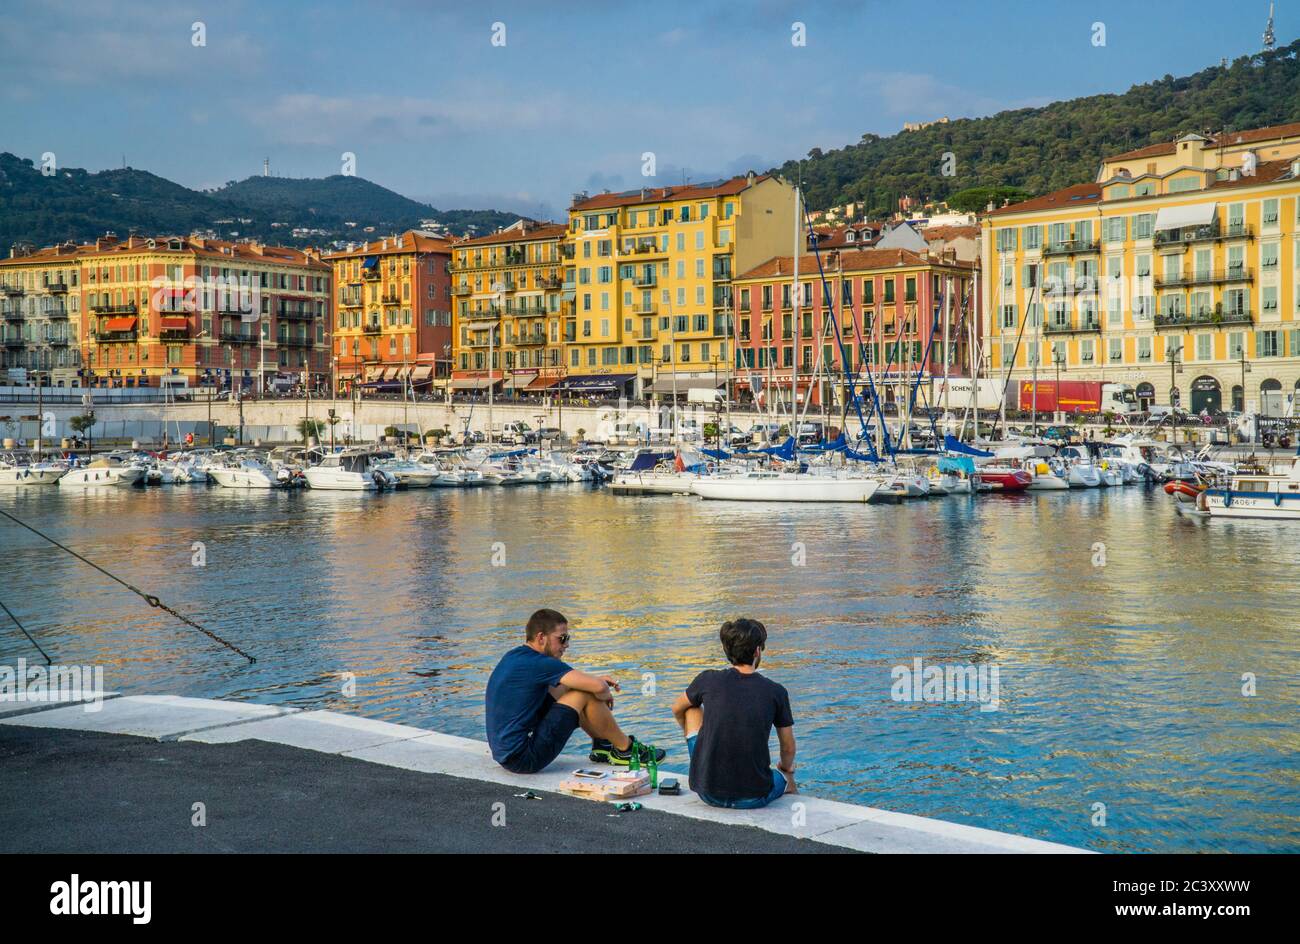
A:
x: 186, y: 311
x: 647, y: 290
x: 394, y: 312
x: 509, y: 324
x: 1175, y: 271
x: 40, y: 316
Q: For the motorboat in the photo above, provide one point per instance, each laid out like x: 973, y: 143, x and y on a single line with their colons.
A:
x: 14, y: 472
x: 244, y: 472
x: 657, y: 471
x: 110, y: 470
x: 1046, y: 476
x: 772, y: 486
x: 1000, y: 478
x: 351, y: 470
x: 408, y: 472
x: 1250, y: 495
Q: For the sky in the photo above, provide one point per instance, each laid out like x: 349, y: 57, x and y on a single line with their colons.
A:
x: 439, y: 103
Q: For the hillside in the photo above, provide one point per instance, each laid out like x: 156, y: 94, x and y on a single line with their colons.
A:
x: 1043, y: 149
x: 79, y: 205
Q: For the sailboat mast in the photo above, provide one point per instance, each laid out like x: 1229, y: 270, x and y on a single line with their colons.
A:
x: 795, y: 328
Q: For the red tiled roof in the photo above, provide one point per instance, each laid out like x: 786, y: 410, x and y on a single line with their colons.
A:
x: 210, y: 249
x: 858, y: 260
x: 1223, y: 139
x: 967, y: 231
x: 412, y: 241
x: 660, y: 194
x: 536, y: 232
x: 1079, y: 194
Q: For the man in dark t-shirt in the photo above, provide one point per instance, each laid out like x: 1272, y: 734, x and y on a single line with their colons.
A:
x: 728, y: 715
x: 535, y: 701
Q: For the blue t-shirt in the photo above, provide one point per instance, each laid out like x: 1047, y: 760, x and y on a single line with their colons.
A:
x: 517, y: 697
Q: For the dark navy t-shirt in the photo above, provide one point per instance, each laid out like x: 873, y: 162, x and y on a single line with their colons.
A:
x: 517, y: 697
x: 731, y: 760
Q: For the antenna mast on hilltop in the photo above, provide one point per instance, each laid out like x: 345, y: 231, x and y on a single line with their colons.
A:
x: 1270, y: 40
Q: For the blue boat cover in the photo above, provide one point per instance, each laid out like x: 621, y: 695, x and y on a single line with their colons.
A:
x: 953, y: 444
x: 860, y: 456
x: 648, y: 460
x: 957, y: 464
x: 716, y: 453
x: 784, y: 451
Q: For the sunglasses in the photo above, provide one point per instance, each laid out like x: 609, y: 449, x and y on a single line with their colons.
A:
x: 563, y: 638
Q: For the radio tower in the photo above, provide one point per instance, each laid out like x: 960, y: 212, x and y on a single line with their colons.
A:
x: 1269, y: 39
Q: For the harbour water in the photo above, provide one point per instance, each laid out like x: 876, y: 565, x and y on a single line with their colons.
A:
x: 1120, y: 631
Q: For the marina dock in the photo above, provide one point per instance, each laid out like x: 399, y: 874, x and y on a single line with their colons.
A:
x: 274, y: 779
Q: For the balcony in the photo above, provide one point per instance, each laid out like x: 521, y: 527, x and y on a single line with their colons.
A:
x: 7, y: 289
x: 645, y: 281
x: 373, y: 327
x: 297, y: 314
x: 460, y: 290
x: 1218, y: 277
x: 1085, y: 326
x: 54, y: 311
x: 58, y: 340
x: 566, y: 250
x: 174, y: 335
x: 12, y: 313
x: 1174, y: 238
x: 530, y: 338
x: 390, y: 298
x: 113, y: 309
x: 1201, y: 319
x: 14, y: 340
x: 295, y: 342
x: 371, y: 275
x: 56, y: 288
x: 1071, y: 247
x: 646, y: 247
x: 112, y: 337
x: 351, y: 301
x: 238, y: 337
x: 550, y: 282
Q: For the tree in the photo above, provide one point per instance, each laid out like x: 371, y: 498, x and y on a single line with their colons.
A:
x: 310, y: 429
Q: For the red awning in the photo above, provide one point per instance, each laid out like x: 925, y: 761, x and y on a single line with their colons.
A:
x: 175, y: 323
x: 541, y: 383
x: 120, y: 324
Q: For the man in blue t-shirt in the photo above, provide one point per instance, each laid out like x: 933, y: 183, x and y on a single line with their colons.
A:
x: 535, y: 701
x: 728, y: 715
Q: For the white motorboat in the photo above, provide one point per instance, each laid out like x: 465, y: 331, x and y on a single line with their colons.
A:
x: 902, y: 484
x: 16, y: 473
x: 1248, y: 495
x: 106, y: 471
x: 1046, y: 477
x: 245, y: 472
x: 351, y: 470
x: 761, y: 485
x: 408, y: 472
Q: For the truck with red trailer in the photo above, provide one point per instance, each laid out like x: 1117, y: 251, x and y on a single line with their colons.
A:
x: 1077, y: 396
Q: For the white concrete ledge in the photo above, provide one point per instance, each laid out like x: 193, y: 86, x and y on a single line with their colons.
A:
x: 169, y: 717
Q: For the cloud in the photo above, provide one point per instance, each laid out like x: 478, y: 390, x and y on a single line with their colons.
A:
x: 920, y: 96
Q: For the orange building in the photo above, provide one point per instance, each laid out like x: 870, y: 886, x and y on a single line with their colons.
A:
x: 393, y: 297
x: 186, y: 311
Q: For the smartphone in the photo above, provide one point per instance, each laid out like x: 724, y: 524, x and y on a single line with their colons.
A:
x: 669, y: 787
x: 592, y: 774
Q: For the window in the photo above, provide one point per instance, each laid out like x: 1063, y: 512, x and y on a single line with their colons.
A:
x: 1266, y: 343
x: 1268, y: 255
x: 1033, y: 237
x: 1269, y: 298
x: 1116, y: 229
x: 1006, y: 239
x: 1116, y: 354
x: 1270, y: 211
x: 1143, y: 225
x: 889, y: 291
x: 1183, y: 184
x: 1008, y: 316
x: 1144, y: 349
x: 869, y: 290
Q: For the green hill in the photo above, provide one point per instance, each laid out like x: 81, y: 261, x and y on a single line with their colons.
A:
x: 79, y: 205
x: 1044, y: 149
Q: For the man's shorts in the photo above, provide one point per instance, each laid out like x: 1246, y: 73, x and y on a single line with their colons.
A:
x: 748, y: 803
x: 549, y: 735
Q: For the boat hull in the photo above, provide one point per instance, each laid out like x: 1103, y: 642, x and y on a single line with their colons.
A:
x: 809, y: 489
x: 96, y: 478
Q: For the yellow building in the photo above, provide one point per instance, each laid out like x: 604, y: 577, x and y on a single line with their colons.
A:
x: 1175, y: 271
x: 40, y: 316
x: 648, y: 287
x: 509, y: 283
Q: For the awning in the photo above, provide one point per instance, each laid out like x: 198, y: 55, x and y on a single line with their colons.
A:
x: 542, y: 383
x: 684, y: 384
x: 370, y: 262
x: 373, y: 373
x: 173, y: 323
x: 595, y: 381
x: 404, y: 372
x: 473, y: 383
x: 519, y: 381
x: 120, y: 324
x: 1199, y: 214
x: 390, y: 373
x: 420, y: 374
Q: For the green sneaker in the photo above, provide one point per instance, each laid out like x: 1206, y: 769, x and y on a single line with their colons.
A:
x: 603, y: 752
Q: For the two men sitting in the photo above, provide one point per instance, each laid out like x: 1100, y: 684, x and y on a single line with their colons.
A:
x: 535, y: 701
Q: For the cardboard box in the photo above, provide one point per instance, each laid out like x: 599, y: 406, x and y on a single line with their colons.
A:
x: 606, y: 788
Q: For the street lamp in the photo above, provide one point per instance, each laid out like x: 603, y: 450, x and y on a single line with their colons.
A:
x: 1172, y: 354
x: 1058, y: 358
x: 499, y: 288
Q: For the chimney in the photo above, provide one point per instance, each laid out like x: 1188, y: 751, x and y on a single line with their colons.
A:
x: 749, y: 179
x: 778, y: 266
x: 991, y: 207
x: 384, y: 245
x: 106, y: 241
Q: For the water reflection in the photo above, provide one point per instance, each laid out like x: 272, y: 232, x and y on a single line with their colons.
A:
x: 1120, y: 684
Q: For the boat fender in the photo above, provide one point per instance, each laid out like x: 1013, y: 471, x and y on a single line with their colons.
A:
x: 1277, y: 499
x: 1227, y: 498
